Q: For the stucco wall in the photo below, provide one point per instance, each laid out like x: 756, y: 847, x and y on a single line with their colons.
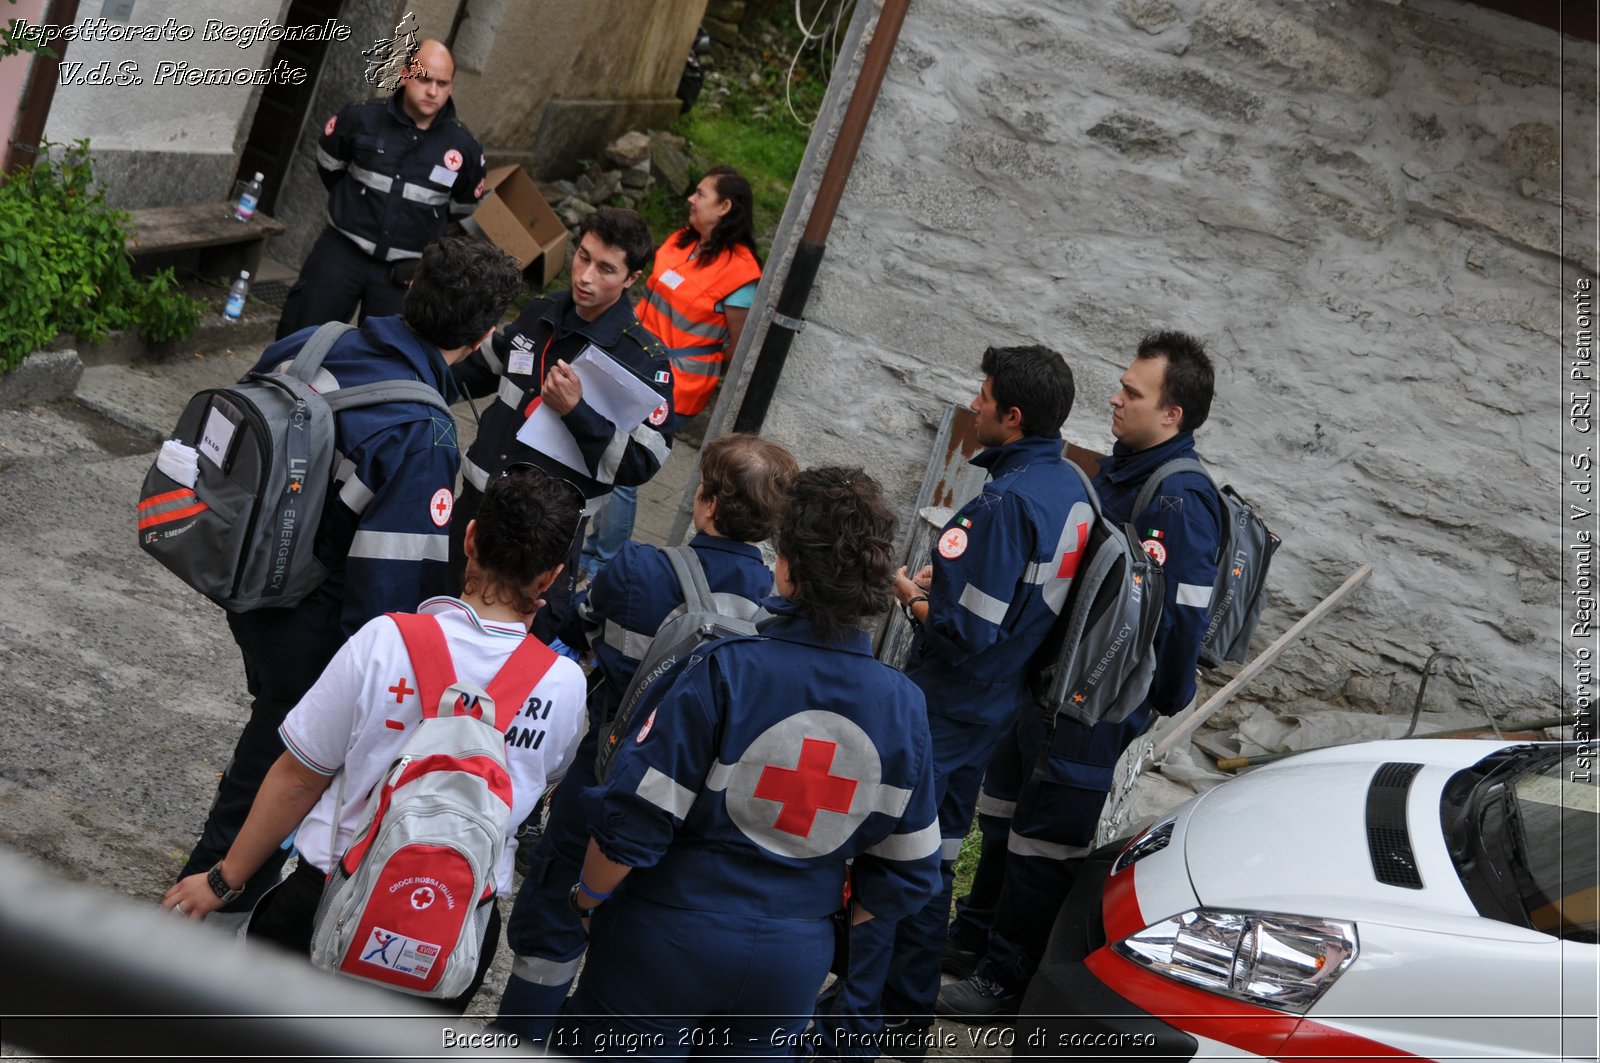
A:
x: 1357, y: 203
x: 160, y: 141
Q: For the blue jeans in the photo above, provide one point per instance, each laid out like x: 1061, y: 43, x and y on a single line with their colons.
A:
x: 613, y: 526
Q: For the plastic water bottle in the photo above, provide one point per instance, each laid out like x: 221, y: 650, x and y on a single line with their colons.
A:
x: 234, y: 309
x: 245, y: 209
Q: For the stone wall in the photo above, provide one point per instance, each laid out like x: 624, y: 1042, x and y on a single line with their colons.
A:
x: 157, y: 141
x: 1358, y: 203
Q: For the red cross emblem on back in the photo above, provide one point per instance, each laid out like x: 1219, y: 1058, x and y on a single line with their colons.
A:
x: 400, y: 690
x: 807, y: 788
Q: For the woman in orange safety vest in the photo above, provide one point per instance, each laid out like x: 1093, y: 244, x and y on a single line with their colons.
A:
x: 695, y: 302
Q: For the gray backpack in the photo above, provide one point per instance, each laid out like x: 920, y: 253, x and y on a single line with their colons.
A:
x: 703, y: 616
x: 1096, y: 662
x: 233, y: 502
x: 1240, y: 588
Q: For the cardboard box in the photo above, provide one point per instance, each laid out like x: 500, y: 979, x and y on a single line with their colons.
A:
x: 516, y: 217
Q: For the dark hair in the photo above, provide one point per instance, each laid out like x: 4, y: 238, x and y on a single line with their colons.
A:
x: 623, y: 229
x: 749, y: 478
x: 525, y: 528
x: 1189, y: 381
x: 462, y: 287
x: 1037, y: 381
x: 736, y: 227
x: 837, y: 535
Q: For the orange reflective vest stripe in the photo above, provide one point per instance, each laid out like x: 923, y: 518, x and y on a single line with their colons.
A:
x: 679, y: 309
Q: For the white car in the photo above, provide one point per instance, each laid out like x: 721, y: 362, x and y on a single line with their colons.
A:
x: 1432, y: 899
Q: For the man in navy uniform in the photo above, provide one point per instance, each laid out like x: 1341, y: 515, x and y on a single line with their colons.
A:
x: 528, y: 364
x: 398, y: 171
x: 384, y: 535
x: 996, y: 583
x: 1164, y: 396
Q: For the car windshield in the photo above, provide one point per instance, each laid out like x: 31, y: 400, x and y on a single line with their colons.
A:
x: 1522, y: 826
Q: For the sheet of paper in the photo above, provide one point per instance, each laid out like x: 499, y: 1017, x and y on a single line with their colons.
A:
x: 614, y: 392
x: 217, y: 434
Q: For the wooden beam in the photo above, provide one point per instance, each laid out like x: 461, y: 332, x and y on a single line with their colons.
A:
x: 1192, y: 722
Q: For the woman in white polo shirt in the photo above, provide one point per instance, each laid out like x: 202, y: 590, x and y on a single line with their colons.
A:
x: 359, y: 713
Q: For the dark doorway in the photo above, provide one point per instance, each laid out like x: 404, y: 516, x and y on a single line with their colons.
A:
x: 282, y: 110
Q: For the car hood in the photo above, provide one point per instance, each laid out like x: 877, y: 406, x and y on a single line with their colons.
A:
x: 1293, y: 837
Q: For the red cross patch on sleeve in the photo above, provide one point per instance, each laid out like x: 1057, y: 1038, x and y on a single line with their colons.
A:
x: 443, y: 504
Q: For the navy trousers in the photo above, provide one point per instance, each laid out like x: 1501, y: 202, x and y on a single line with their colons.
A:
x: 336, y: 278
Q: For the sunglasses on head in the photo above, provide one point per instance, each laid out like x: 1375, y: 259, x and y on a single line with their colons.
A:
x: 544, y: 481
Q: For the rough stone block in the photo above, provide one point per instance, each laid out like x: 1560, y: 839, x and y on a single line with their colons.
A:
x: 43, y: 376
x: 726, y: 10
x: 630, y: 149
x: 722, y: 32
x: 669, y: 159
x: 580, y: 129
x: 607, y: 185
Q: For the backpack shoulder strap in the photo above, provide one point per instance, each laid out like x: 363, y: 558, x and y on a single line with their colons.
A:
x: 697, y: 597
x: 1147, y: 493
x: 511, y: 685
x: 1088, y: 486
x: 381, y: 391
x: 313, y: 351
x: 430, y: 657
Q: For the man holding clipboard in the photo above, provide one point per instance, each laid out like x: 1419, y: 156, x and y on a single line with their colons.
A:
x: 574, y: 377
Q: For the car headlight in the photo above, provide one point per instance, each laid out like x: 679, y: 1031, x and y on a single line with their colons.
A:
x: 1282, y: 961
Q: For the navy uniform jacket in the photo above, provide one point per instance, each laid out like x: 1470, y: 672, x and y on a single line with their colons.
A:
x: 618, y: 616
x: 770, y: 762
x: 1001, y: 567
x: 384, y: 535
x: 512, y: 366
x: 1182, y: 529
x: 393, y: 188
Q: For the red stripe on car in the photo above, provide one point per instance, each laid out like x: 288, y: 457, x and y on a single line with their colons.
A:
x: 1119, y: 906
x: 1253, y: 1028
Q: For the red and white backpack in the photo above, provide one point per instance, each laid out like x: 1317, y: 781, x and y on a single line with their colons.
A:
x: 408, y: 903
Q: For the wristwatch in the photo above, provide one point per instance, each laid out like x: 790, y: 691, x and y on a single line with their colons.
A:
x: 220, y: 887
x: 572, y: 902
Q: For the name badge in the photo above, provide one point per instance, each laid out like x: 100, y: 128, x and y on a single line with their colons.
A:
x: 443, y: 176
x: 217, y: 435
x: 520, y: 362
x: 671, y: 278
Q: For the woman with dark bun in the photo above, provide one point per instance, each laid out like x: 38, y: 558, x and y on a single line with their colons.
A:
x: 720, y: 837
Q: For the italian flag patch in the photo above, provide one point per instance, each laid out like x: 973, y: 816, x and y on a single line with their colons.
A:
x: 1155, y: 533
x: 964, y: 522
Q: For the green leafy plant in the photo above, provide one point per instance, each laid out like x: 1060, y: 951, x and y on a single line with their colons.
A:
x: 62, y: 252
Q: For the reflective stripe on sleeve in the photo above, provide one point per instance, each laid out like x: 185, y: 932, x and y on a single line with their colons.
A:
x: 540, y: 971
x: 428, y: 197
x: 949, y: 849
x: 651, y: 440
x: 611, y: 458
x: 1194, y: 594
x: 982, y: 605
x: 923, y: 843
x: 632, y: 644
x: 354, y: 494
x: 328, y: 162
x: 458, y: 207
x: 400, y: 546
x: 511, y: 393
x: 474, y: 474
x: 665, y: 793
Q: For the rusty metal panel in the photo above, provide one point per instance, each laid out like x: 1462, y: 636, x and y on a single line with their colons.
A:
x: 950, y: 482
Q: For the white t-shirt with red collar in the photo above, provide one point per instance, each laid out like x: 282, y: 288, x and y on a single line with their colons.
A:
x: 365, y: 705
